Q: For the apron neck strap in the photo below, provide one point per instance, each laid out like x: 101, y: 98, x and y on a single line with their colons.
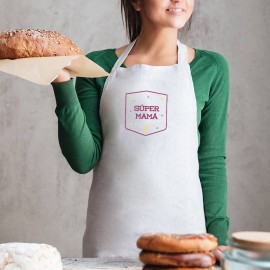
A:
x: 182, y: 54
x: 124, y: 55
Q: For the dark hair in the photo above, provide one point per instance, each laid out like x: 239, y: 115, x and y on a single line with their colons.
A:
x: 132, y: 20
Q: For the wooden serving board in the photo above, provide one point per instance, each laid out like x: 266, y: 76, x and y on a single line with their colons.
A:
x: 252, y: 240
x: 104, y: 263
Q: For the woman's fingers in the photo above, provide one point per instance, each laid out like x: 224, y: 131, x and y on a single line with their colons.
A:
x: 218, y: 251
x: 63, y: 76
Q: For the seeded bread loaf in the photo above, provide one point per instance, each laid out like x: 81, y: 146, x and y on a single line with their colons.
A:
x: 22, y: 43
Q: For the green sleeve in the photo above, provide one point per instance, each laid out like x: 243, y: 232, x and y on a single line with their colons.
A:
x: 79, y: 128
x: 212, y: 153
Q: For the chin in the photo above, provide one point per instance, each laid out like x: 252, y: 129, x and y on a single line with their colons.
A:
x: 178, y: 25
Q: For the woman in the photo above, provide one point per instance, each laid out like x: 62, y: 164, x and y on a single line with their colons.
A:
x: 154, y: 131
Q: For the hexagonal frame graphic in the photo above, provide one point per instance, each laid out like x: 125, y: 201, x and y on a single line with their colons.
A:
x: 146, y: 112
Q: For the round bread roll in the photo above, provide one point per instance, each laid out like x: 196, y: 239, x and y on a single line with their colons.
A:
x: 199, y: 259
x: 22, y: 43
x: 181, y: 243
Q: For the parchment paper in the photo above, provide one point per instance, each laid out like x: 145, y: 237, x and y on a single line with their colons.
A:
x: 43, y: 70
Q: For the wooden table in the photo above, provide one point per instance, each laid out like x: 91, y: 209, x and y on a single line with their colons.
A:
x: 104, y: 263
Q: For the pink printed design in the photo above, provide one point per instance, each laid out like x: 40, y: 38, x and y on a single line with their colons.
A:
x: 146, y: 112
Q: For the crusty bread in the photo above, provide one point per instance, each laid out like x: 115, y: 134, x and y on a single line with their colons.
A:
x: 195, y: 259
x: 180, y: 243
x: 22, y: 43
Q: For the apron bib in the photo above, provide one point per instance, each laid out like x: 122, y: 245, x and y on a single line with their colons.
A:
x: 147, y: 179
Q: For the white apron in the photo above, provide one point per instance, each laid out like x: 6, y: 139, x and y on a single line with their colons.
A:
x: 148, y: 177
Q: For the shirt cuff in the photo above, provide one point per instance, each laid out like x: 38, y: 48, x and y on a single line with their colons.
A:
x: 65, y: 93
x: 219, y: 228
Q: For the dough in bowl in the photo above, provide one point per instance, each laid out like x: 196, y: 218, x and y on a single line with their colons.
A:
x: 29, y: 256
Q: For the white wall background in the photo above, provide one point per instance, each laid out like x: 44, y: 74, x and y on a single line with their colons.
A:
x: 43, y: 200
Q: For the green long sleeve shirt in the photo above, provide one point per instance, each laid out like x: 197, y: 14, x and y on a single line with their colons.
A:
x: 80, y: 134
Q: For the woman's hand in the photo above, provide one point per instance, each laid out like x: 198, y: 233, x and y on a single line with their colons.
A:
x: 63, y: 76
x: 218, y: 251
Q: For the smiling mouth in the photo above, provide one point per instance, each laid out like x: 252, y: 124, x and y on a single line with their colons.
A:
x: 175, y: 9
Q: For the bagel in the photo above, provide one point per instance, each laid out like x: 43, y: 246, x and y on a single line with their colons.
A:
x: 180, y: 243
x: 196, y: 259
